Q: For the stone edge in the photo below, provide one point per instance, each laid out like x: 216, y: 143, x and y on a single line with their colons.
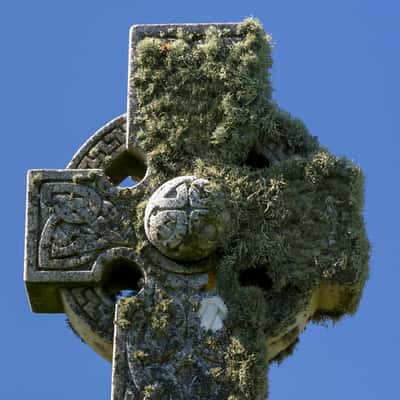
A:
x: 43, y: 286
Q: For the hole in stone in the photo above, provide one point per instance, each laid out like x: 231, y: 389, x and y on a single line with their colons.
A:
x: 256, y: 277
x: 127, y: 169
x: 127, y: 182
x: 256, y: 159
x: 122, y: 278
x: 125, y: 293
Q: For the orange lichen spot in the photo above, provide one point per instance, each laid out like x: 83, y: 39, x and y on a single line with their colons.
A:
x: 211, y: 281
x: 165, y: 47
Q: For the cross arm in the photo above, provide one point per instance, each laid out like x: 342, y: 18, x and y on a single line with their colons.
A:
x: 72, y: 217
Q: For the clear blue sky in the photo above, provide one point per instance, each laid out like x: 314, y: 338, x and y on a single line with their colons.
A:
x: 63, y: 75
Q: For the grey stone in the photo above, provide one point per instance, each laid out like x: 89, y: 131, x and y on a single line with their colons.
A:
x: 185, y: 220
x: 73, y: 217
x: 177, y: 334
x: 162, y: 349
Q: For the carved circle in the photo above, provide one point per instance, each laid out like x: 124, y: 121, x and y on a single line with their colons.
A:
x: 90, y: 310
x: 185, y: 219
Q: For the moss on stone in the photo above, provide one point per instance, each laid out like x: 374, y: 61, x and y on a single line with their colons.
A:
x: 205, y: 109
x: 163, y: 312
x: 128, y: 307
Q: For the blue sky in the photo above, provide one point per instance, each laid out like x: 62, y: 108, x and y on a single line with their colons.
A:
x: 63, y: 74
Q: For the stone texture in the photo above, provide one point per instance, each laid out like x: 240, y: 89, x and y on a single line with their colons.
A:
x: 73, y: 218
x: 265, y: 232
x: 185, y: 220
x: 161, y: 349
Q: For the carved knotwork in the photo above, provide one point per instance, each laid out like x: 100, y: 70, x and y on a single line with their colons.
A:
x: 80, y: 225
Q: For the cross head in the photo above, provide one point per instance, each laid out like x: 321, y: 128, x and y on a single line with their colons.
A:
x: 240, y: 230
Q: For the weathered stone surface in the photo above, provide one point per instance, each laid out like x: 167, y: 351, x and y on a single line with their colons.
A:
x: 74, y: 217
x: 185, y: 220
x: 161, y: 349
x: 267, y: 230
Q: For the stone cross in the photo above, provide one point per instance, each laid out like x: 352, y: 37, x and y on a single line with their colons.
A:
x: 239, y: 231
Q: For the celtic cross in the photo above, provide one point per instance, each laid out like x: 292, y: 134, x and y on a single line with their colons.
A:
x: 239, y: 231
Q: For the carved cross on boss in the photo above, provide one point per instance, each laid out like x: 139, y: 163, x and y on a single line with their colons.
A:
x: 239, y: 231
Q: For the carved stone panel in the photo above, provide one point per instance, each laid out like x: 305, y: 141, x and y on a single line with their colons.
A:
x: 161, y: 346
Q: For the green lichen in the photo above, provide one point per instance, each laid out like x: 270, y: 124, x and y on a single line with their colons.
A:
x: 163, y: 313
x: 205, y: 109
x: 139, y: 308
x: 140, y: 355
x: 243, y: 369
x: 128, y: 308
x: 148, y: 392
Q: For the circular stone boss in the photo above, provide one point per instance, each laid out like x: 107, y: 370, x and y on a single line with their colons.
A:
x: 185, y: 219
